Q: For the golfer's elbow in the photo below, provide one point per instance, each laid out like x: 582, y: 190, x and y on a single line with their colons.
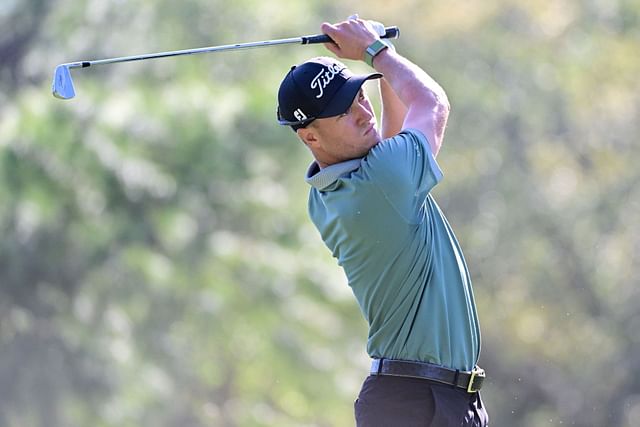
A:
x: 435, y: 121
x: 444, y: 104
x: 440, y: 117
x: 433, y: 98
x: 442, y: 110
x: 440, y: 100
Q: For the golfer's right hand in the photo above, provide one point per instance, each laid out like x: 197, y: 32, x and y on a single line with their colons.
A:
x: 351, y: 37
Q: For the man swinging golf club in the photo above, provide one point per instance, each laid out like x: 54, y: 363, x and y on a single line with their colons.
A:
x: 370, y: 200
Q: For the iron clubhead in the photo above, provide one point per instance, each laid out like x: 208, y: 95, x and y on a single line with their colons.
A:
x: 62, y: 86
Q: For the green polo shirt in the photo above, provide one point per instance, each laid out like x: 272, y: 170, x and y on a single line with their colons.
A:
x: 399, y: 253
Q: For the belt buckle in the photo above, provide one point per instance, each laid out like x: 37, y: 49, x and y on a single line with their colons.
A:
x: 476, y: 372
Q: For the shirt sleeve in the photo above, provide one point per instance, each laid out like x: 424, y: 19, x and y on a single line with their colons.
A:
x: 405, y: 170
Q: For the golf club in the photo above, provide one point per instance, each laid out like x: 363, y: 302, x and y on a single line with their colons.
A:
x: 62, y: 86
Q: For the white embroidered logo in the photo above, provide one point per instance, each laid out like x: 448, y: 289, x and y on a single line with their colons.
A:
x: 324, y: 77
x: 299, y: 115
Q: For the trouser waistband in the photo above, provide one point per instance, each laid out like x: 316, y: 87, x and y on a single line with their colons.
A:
x: 468, y: 380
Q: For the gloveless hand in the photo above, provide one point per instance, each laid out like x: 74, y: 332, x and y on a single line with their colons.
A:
x: 351, y: 37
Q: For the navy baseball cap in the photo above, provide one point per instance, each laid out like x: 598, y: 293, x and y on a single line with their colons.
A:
x: 320, y: 87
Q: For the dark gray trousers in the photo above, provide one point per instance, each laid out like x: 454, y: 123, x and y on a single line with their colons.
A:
x: 386, y: 401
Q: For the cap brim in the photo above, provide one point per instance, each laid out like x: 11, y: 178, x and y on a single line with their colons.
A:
x: 346, y: 94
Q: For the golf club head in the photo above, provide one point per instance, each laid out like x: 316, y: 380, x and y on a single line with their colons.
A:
x: 62, y: 86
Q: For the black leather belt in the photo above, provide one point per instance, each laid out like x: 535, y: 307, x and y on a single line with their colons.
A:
x: 468, y: 380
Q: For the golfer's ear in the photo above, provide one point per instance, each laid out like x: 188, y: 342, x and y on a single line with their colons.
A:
x: 308, y: 136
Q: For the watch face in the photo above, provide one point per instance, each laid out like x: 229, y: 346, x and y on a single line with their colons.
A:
x: 374, y: 48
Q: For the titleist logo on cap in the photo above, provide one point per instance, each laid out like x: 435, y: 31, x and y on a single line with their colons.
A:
x: 324, y: 77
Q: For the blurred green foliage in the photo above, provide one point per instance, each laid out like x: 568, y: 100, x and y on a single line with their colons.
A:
x: 156, y: 263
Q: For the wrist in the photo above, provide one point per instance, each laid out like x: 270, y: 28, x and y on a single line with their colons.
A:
x: 374, y: 49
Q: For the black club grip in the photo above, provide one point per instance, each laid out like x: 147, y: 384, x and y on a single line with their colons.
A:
x: 390, y: 33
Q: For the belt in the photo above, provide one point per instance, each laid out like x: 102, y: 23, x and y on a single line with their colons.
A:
x: 468, y: 380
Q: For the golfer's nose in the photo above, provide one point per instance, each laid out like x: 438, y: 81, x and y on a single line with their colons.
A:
x: 363, y: 115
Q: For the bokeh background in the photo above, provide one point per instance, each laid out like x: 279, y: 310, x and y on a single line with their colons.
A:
x: 157, y: 267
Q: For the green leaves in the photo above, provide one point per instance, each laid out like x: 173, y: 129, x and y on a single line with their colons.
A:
x: 157, y: 266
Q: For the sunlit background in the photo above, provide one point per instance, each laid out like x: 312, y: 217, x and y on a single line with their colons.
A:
x: 157, y: 266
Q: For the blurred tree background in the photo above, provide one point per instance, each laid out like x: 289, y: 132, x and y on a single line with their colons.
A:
x: 157, y: 267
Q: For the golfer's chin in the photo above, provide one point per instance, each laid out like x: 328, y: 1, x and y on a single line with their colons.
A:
x: 373, y: 137
x: 370, y: 139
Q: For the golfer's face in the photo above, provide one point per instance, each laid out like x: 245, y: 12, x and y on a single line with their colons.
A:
x: 351, y: 134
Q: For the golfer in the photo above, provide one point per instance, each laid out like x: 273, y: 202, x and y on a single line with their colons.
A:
x: 371, y: 201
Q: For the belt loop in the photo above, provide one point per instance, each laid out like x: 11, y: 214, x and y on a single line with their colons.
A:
x: 380, y: 365
x: 455, y: 378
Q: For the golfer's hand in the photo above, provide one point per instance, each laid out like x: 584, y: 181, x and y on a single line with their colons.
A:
x: 351, y: 37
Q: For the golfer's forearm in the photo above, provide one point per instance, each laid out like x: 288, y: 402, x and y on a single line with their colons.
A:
x: 426, y: 102
x: 410, y: 82
x: 393, y: 110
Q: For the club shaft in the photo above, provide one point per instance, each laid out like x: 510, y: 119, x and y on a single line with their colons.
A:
x: 391, y: 32
x: 251, y: 45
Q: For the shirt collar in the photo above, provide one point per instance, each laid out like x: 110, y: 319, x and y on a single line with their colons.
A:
x: 322, y: 178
